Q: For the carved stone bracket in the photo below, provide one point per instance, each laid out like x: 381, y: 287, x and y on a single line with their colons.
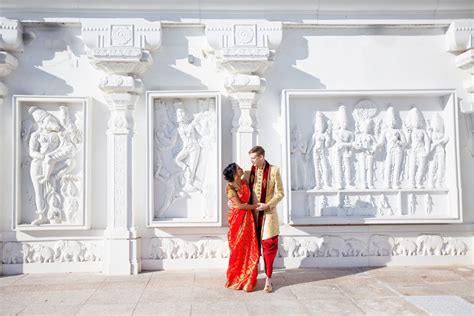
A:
x: 460, y: 41
x: 121, y: 48
x: 245, y: 52
x: 11, y: 40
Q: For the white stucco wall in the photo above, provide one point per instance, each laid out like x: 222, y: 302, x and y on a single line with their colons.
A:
x: 342, y: 57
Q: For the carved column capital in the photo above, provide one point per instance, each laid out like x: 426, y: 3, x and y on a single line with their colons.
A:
x: 11, y: 35
x: 121, y: 46
x: 11, y: 40
x: 460, y: 41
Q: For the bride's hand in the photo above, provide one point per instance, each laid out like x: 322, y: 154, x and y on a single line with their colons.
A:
x: 230, y: 204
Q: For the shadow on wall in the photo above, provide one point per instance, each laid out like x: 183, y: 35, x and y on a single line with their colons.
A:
x: 171, y: 65
x: 284, y: 74
x: 50, y: 61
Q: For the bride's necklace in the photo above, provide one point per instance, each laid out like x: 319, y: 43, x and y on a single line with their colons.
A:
x: 237, y: 186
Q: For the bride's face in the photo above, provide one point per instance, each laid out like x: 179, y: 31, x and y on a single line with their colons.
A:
x: 238, y: 172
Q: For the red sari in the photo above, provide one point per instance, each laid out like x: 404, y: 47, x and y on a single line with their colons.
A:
x: 244, y: 255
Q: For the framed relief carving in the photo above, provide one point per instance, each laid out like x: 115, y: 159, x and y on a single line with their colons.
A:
x: 184, y: 182
x: 371, y: 156
x: 50, y: 165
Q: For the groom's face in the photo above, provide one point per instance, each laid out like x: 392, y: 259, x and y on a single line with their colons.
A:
x: 257, y: 160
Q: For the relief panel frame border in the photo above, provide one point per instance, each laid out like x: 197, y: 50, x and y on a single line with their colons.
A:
x: 17, y: 101
x: 150, y: 101
x: 286, y: 94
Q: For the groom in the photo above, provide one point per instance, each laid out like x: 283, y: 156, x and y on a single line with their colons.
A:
x: 265, y: 183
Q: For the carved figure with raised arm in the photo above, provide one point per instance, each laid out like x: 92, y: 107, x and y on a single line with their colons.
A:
x: 320, y: 143
x: 190, y: 154
x: 394, y: 141
x: 419, y: 147
x: 437, y: 165
x: 343, y: 150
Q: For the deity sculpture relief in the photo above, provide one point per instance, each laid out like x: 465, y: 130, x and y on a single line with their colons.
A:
x: 412, y: 204
x: 323, y: 205
x: 365, y: 146
x: 343, y: 150
x: 428, y: 204
x: 298, y: 149
x: 384, y: 206
x: 320, y: 143
x: 394, y: 141
x: 52, y: 147
x: 418, y: 142
x: 437, y: 163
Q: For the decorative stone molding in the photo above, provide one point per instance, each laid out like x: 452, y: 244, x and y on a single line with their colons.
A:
x: 11, y: 40
x: 460, y: 42
x: 121, y: 48
x: 244, y: 51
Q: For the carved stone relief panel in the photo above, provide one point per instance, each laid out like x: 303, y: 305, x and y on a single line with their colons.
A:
x: 50, y: 163
x: 184, y: 159
x: 371, y: 156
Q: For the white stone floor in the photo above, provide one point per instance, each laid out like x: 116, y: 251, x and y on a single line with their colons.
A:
x: 351, y: 291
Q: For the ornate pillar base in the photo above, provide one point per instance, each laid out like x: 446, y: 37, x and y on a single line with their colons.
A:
x: 122, y: 252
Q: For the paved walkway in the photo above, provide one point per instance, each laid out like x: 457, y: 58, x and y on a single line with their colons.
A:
x: 357, y: 291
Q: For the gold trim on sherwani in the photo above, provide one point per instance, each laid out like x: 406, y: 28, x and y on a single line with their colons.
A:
x: 274, y: 194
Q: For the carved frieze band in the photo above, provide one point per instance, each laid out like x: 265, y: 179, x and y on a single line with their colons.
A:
x: 314, y: 246
x: 52, y: 251
x: 377, y: 245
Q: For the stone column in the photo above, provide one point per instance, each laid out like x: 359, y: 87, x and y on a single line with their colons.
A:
x: 460, y: 42
x: 122, y: 50
x: 11, y: 40
x: 244, y: 51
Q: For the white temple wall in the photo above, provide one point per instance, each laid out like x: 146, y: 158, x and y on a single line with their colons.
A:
x: 372, y: 58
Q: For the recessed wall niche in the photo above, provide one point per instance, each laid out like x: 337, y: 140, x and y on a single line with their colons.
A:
x: 356, y: 157
x: 50, y: 166
x: 184, y: 158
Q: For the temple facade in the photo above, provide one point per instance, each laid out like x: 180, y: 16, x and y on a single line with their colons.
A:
x: 117, y: 120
